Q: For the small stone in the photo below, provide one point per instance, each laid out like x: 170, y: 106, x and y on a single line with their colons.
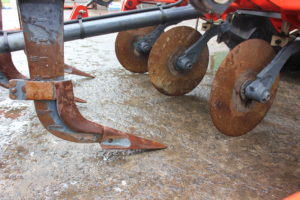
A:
x: 117, y: 189
x: 19, y: 176
x: 73, y: 182
x: 65, y: 186
x: 12, y: 176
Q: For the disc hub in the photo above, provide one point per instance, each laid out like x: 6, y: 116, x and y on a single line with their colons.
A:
x: 143, y: 46
x: 183, y: 64
x: 258, y: 91
x: 162, y: 65
x: 232, y: 111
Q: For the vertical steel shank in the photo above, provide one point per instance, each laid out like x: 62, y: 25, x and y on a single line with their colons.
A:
x: 42, y: 22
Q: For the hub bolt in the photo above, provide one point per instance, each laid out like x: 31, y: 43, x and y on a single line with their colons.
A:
x: 144, y: 47
x: 266, y: 96
x: 183, y: 64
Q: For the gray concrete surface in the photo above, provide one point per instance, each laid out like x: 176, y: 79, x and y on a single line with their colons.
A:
x: 199, y: 163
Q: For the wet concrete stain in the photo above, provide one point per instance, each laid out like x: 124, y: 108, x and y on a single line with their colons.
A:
x: 12, y: 114
x: 199, y: 163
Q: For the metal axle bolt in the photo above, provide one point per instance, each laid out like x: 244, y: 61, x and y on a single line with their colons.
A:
x: 183, y: 64
x: 188, y: 65
x: 255, y: 90
x: 144, y: 47
x: 266, y: 96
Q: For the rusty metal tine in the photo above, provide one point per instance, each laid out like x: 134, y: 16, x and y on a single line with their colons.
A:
x: 45, y: 51
x: 114, y: 139
x: 50, y: 119
x: 44, y: 20
x: 111, y: 138
x: 7, y: 68
x: 45, y: 56
x: 78, y: 100
x: 72, y: 70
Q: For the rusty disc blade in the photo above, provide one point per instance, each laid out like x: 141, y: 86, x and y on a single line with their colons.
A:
x: 161, y: 65
x: 231, y: 114
x: 126, y: 53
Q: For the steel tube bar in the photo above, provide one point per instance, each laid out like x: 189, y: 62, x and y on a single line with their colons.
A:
x: 85, y: 29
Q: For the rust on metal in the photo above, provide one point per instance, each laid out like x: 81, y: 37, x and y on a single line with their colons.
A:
x: 6, y: 64
x: 69, y: 113
x: 72, y: 70
x: 129, y: 58
x: 78, y: 100
x: 45, y: 56
x: 34, y: 90
x: 161, y: 64
x: 71, y: 116
x: 45, y: 115
x: 112, y: 137
x: 8, y: 68
x: 232, y: 114
x: 45, y: 50
x: 46, y: 60
x: 39, y: 90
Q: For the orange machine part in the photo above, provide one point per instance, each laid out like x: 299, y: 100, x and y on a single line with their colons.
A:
x: 295, y: 196
x: 79, y: 11
x: 289, y: 9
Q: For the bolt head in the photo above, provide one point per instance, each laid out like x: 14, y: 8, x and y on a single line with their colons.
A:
x: 184, y: 64
x: 188, y: 65
x: 14, y: 90
x: 146, y: 47
x: 266, y: 96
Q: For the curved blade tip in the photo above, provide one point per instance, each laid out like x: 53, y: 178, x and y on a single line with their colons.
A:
x: 131, y: 142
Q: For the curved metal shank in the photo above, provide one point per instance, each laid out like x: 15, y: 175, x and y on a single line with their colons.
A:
x: 7, y: 68
x: 43, y: 33
x: 49, y: 117
x: 109, y: 138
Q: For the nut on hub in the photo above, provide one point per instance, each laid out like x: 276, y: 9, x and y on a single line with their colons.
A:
x: 126, y: 50
x: 163, y: 71
x: 232, y: 113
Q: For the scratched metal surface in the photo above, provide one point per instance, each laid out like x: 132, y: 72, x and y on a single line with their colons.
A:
x: 200, y: 163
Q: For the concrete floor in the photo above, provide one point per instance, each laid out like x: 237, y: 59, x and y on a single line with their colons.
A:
x: 199, y: 163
